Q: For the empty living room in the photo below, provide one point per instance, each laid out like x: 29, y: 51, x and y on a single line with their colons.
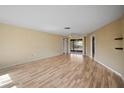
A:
x: 61, y: 46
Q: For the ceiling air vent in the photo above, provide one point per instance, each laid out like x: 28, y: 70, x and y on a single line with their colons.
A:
x: 67, y: 28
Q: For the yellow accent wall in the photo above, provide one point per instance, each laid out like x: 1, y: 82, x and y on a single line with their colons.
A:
x: 105, y: 45
x: 20, y: 45
x: 123, y: 39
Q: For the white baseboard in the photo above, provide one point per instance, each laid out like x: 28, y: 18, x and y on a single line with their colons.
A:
x: 116, y: 72
x: 111, y: 69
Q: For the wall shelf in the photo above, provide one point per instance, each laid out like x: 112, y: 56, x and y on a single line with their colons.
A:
x: 119, y: 48
x: 120, y: 38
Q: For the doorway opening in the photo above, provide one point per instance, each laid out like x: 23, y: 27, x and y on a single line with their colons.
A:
x: 93, y: 47
x: 76, y: 46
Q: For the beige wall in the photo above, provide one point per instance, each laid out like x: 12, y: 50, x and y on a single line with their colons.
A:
x: 123, y: 35
x: 105, y: 46
x: 19, y: 45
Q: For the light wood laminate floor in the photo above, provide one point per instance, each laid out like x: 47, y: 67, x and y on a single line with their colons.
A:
x: 65, y: 71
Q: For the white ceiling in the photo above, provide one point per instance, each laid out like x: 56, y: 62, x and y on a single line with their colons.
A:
x: 82, y: 19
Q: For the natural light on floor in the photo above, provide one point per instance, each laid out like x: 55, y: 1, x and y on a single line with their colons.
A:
x: 5, y: 81
x: 76, y: 58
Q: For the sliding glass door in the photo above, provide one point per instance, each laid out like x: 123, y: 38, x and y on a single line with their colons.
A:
x: 76, y: 45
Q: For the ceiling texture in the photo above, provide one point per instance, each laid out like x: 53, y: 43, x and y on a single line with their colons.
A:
x: 81, y: 19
